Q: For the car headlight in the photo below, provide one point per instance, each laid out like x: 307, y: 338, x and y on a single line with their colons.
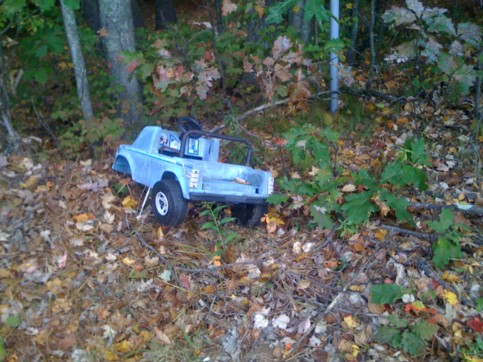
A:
x: 195, y: 178
x: 271, y: 184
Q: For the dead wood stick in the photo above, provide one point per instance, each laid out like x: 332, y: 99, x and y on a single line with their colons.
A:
x: 471, y: 210
x: 271, y: 105
x: 402, y: 231
x: 425, y: 268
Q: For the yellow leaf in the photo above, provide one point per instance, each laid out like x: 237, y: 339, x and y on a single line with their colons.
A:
x: 451, y: 278
x: 123, y: 346
x: 109, y: 356
x: 128, y: 261
x: 129, y: 202
x: 355, y: 350
x: 450, y: 297
x: 30, y: 182
x: 349, y: 6
x: 296, y: 9
x: 260, y: 10
x: 357, y: 288
x: 472, y: 358
x: 380, y: 234
x: 159, y: 233
x: 351, y: 321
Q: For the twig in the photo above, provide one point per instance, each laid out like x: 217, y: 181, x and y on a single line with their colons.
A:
x: 472, y: 210
x: 40, y: 118
x: 334, y: 302
x: 216, y: 268
x: 402, y: 231
x: 424, y: 267
x: 272, y: 105
x: 377, y: 94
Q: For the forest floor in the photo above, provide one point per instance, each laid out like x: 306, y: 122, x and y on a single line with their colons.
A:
x: 83, y: 278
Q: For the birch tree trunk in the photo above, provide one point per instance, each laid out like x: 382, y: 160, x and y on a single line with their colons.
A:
x: 78, y: 60
x: 13, y: 137
x: 117, y: 22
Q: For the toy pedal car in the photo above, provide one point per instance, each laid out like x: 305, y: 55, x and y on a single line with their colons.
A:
x: 184, y: 166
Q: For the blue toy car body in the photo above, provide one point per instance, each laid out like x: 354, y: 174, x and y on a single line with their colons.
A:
x: 183, y: 166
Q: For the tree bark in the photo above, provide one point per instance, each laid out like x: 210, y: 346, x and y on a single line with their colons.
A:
x: 372, y: 49
x: 351, y: 53
x: 13, y: 137
x: 90, y: 9
x: 116, y: 19
x: 78, y: 60
x: 165, y: 14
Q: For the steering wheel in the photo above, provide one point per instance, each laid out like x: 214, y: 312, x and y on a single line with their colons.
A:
x: 187, y: 124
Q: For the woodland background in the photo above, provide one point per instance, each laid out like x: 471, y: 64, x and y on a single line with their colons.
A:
x: 372, y: 245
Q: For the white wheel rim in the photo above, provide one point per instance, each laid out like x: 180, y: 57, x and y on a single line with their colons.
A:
x: 162, y: 203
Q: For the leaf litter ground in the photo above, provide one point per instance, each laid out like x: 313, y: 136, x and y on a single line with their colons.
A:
x: 84, y: 279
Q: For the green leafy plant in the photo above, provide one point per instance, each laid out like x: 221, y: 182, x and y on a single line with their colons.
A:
x: 387, y: 293
x: 319, y: 188
x: 217, y: 223
x: 3, y: 352
x: 91, y: 135
x: 448, y: 245
x: 475, y: 349
x: 441, y: 46
x: 402, y: 334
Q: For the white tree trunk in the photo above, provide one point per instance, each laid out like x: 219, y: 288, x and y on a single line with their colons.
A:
x: 78, y: 60
x: 117, y: 23
x: 13, y: 137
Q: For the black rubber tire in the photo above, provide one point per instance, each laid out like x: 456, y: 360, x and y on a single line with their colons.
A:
x: 169, y: 205
x: 249, y: 215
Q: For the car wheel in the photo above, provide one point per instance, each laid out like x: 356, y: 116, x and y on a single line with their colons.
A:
x: 169, y: 205
x: 249, y: 215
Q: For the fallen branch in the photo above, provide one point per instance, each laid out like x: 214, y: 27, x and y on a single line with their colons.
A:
x: 467, y: 209
x: 272, y: 105
x: 402, y: 231
x: 425, y: 268
x: 364, y: 93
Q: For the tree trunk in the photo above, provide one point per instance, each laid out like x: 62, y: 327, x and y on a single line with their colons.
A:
x: 298, y: 22
x: 165, y: 13
x: 78, y: 60
x: 218, y: 16
x: 351, y: 53
x: 116, y: 19
x: 13, y: 138
x: 90, y: 9
x: 136, y: 14
x: 372, y: 49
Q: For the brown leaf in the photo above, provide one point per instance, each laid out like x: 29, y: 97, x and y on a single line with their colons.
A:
x: 161, y: 336
x: 228, y: 7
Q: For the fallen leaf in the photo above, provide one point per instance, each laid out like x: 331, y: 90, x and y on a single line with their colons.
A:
x: 281, y: 321
x: 476, y: 324
x: 451, y: 278
x: 228, y: 7
x: 161, y: 336
x: 80, y: 218
x: 129, y: 202
x: 128, y: 261
x: 348, y: 188
x: 450, y: 297
x: 380, y: 234
x: 351, y: 322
